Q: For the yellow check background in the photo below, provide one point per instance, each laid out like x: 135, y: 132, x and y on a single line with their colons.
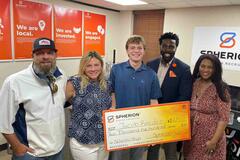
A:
x: 145, y: 125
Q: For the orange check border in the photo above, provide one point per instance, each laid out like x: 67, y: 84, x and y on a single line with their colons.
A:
x: 161, y: 107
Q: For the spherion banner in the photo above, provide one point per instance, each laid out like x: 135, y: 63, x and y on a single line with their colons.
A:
x: 223, y: 42
x: 94, y: 32
x: 68, y: 31
x: 31, y: 20
x: 5, y: 33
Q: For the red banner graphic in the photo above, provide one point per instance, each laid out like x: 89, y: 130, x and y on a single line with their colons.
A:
x: 94, y: 32
x: 68, y: 31
x: 31, y: 20
x: 5, y: 32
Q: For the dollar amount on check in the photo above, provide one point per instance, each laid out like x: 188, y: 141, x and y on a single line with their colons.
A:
x: 145, y: 125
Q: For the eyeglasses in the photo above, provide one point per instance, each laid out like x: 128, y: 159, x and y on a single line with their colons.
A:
x: 53, y: 86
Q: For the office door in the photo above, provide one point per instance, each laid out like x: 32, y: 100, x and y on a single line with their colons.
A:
x: 149, y: 24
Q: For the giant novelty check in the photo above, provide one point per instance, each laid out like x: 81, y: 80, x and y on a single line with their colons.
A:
x: 145, y: 125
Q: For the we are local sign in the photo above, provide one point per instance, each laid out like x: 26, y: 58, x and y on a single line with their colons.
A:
x: 31, y: 21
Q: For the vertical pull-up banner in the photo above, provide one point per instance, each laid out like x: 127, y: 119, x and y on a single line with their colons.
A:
x: 94, y: 33
x: 68, y: 31
x: 31, y: 20
x: 5, y: 31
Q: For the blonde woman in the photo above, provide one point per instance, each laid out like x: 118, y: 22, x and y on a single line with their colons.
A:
x: 89, y: 94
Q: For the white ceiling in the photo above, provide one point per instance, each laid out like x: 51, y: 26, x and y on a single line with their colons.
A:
x: 162, y: 4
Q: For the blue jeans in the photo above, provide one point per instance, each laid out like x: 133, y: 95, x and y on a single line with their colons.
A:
x: 26, y: 156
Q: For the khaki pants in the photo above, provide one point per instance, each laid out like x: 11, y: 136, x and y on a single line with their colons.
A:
x: 87, y: 152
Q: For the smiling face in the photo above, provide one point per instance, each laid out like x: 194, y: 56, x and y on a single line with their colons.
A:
x: 44, y: 60
x: 93, y: 68
x: 135, y: 52
x: 206, y: 69
x: 168, y: 48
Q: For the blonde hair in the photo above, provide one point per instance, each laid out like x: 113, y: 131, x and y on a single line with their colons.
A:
x: 84, y: 78
x: 135, y: 39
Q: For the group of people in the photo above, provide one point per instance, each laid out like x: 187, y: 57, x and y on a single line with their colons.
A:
x: 32, y: 103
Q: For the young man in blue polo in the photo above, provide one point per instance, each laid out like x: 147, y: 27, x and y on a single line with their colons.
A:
x: 134, y: 84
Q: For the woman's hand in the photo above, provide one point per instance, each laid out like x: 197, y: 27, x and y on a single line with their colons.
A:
x: 210, y: 146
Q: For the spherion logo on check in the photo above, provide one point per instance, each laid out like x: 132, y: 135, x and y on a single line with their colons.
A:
x: 227, y: 39
x: 110, y: 119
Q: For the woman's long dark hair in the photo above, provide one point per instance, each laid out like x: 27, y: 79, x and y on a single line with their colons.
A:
x: 216, y: 77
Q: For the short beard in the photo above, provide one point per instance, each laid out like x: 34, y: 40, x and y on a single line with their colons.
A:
x: 44, y: 71
x: 164, y: 60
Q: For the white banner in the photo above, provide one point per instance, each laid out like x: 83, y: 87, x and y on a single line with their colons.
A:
x: 223, y: 42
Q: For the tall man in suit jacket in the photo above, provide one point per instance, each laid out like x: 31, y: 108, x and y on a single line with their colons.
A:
x: 176, y: 84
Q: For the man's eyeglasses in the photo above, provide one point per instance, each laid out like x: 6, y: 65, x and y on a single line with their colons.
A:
x: 53, y: 86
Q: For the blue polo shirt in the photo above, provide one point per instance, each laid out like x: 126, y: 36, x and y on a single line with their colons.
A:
x: 134, y: 87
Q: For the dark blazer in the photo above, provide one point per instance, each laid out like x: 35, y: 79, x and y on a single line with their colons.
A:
x: 177, y: 84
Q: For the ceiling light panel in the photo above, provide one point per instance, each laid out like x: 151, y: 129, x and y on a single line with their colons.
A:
x: 127, y: 2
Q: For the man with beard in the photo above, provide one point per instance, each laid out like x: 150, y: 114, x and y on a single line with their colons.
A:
x: 176, y: 84
x: 32, y: 113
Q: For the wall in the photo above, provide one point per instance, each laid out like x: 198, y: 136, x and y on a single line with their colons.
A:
x: 125, y: 30
x: 183, y: 21
x: 119, y: 28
